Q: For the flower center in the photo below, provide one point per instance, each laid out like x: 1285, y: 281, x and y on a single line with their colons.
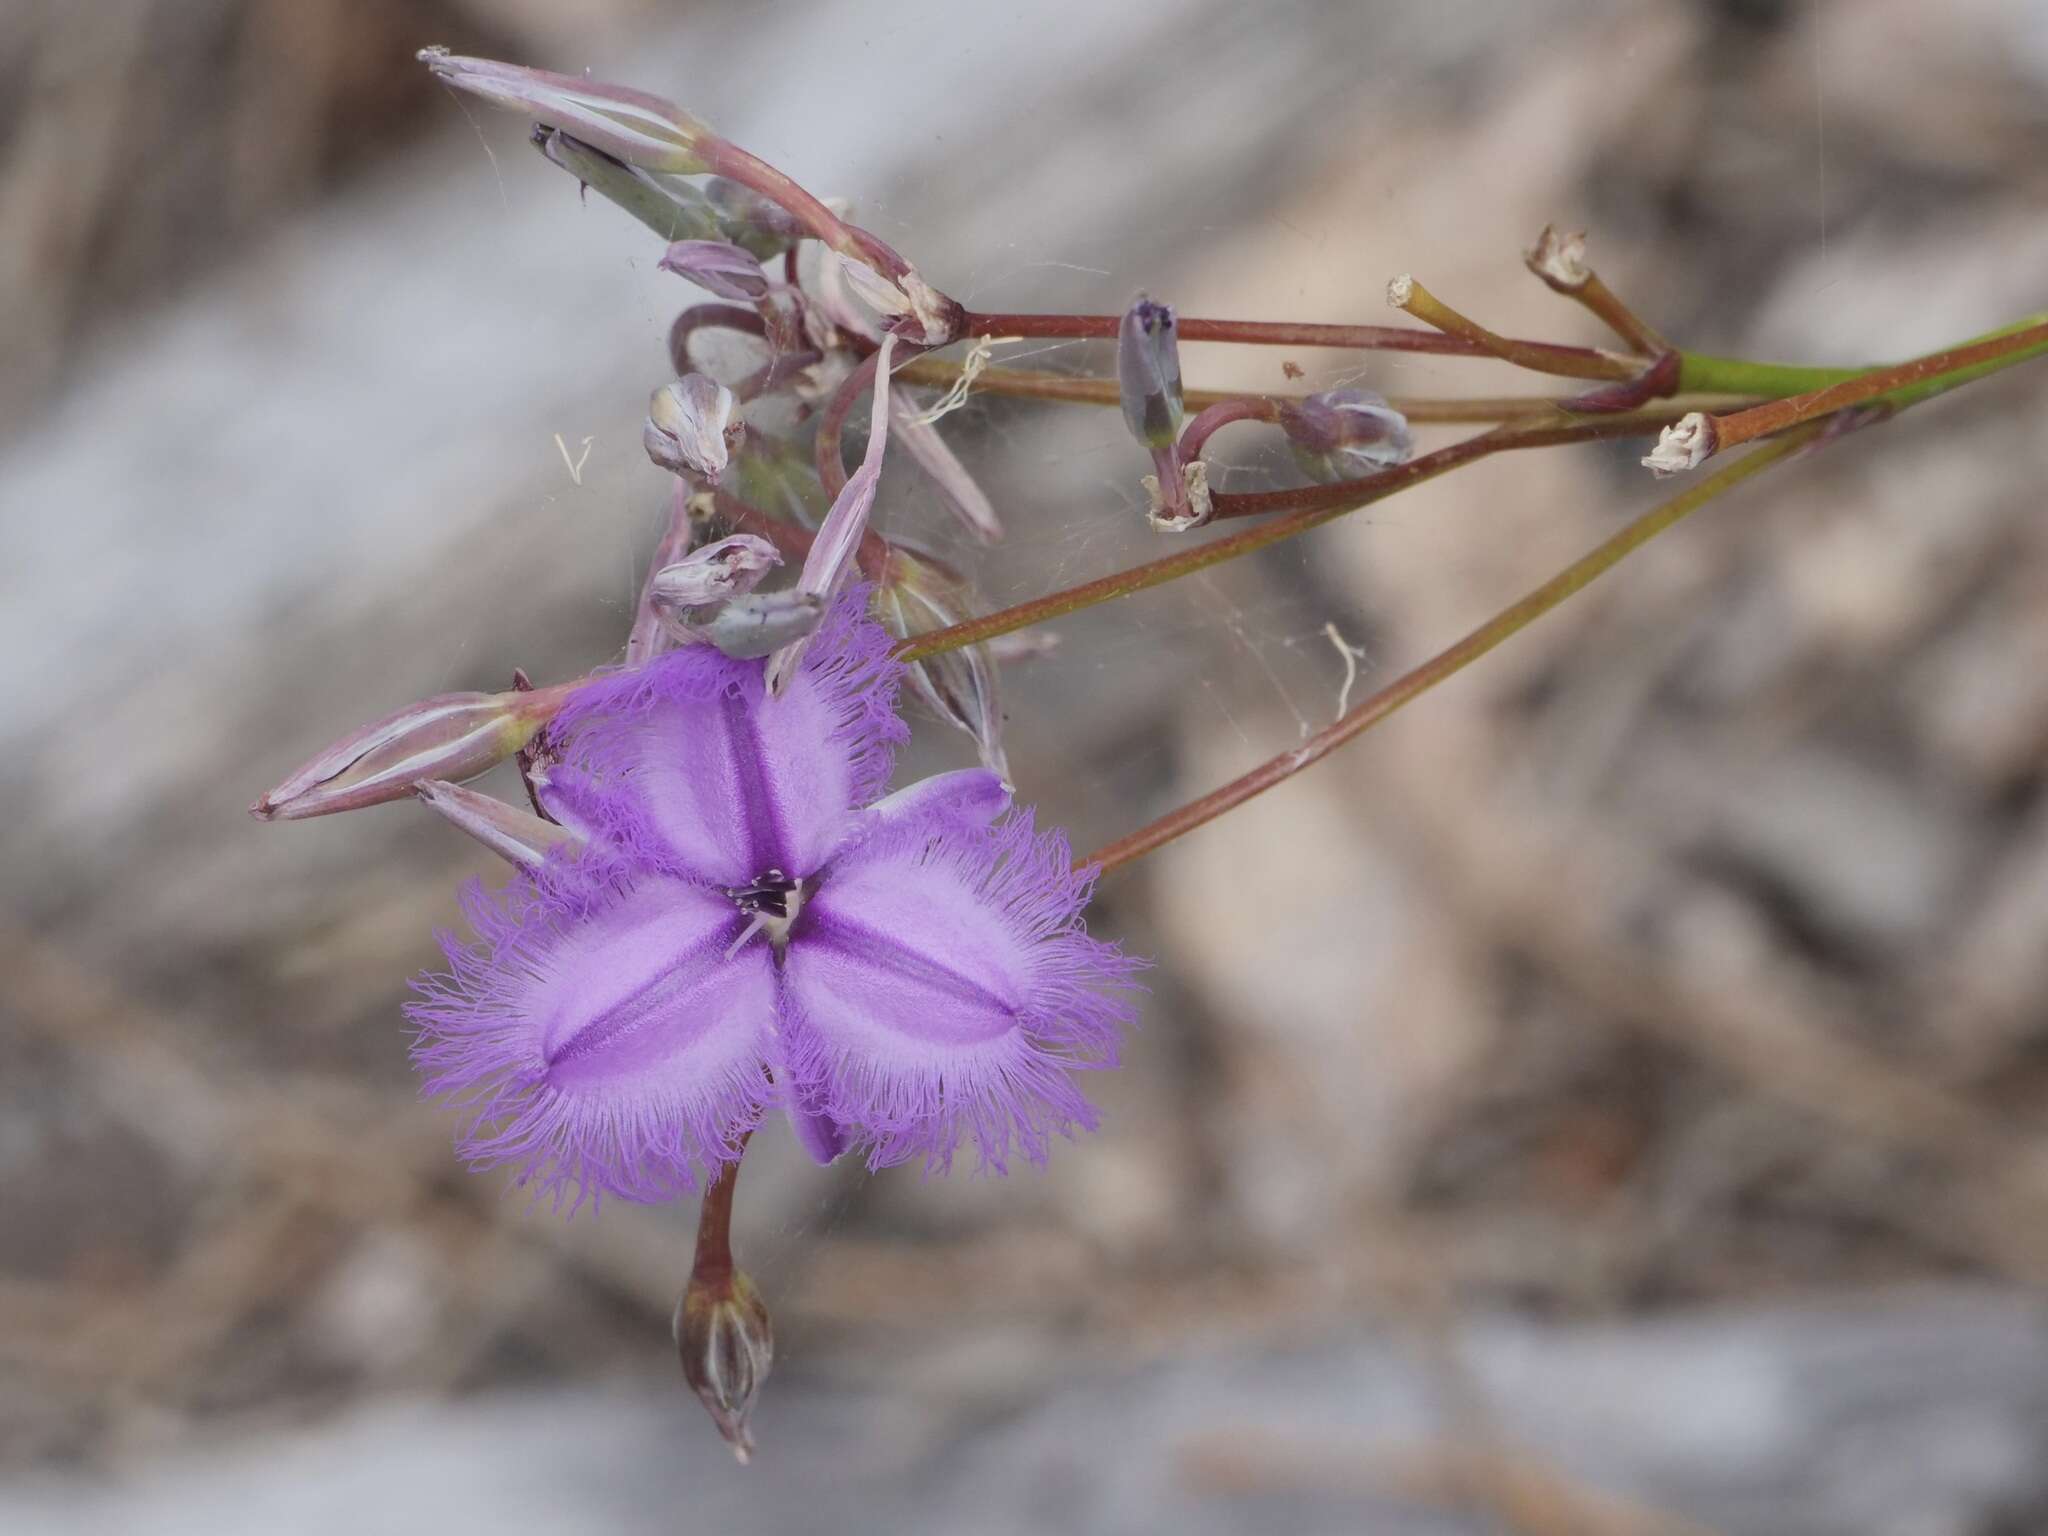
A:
x: 772, y: 900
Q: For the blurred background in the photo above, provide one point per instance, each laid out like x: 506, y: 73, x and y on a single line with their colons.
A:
x: 1609, y: 1097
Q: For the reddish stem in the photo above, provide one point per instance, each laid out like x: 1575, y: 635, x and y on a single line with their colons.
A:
x: 728, y: 317
x: 1742, y: 426
x: 1285, y: 333
x: 1419, y: 680
x: 1196, y: 434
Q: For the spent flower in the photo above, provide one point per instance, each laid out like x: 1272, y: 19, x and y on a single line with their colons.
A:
x: 719, y: 268
x: 729, y: 568
x: 691, y: 426
x: 1342, y: 434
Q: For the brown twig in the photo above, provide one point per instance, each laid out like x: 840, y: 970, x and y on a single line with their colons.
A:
x: 1409, y: 296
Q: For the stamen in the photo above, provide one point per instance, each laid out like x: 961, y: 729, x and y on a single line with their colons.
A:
x: 760, y: 921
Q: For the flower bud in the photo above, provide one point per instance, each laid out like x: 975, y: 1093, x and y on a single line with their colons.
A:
x: 1148, y: 372
x: 726, y: 1342
x: 450, y: 736
x: 750, y: 220
x: 757, y: 624
x: 722, y: 269
x: 673, y: 208
x: 631, y: 125
x: 1342, y: 434
x: 690, y: 427
x: 713, y: 574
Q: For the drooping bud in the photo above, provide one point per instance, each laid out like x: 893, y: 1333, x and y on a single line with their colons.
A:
x: 758, y: 624
x: 919, y: 596
x: 450, y: 736
x: 631, y: 125
x: 717, y: 572
x: 1148, y: 372
x: 726, y: 1341
x: 516, y: 835
x: 722, y: 269
x: 724, y: 1336
x: 1342, y: 434
x: 691, y: 428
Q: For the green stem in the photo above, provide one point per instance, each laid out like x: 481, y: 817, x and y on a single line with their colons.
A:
x: 1697, y: 372
x: 1912, y: 394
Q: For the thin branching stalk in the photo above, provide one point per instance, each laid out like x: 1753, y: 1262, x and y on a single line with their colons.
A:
x: 1900, y: 385
x: 1421, y: 410
x: 1571, y: 362
x: 1509, y: 621
x: 1302, y: 509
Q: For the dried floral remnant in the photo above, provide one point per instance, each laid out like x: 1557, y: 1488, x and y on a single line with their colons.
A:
x: 721, y: 269
x: 1342, y: 434
x: 691, y: 427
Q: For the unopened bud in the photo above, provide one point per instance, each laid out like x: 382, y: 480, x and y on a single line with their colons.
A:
x: 750, y: 220
x: 690, y: 426
x: 757, y: 624
x: 726, y: 1342
x: 673, y: 208
x: 450, y: 736
x: 727, y: 569
x: 1148, y: 372
x: 635, y: 127
x: 722, y: 269
x: 1342, y: 434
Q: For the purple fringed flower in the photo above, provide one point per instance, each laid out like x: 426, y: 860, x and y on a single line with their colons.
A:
x: 749, y: 927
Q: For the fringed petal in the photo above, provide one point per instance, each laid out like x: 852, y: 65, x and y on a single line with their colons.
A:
x: 604, y: 1037
x: 941, y: 988
x: 686, y: 765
